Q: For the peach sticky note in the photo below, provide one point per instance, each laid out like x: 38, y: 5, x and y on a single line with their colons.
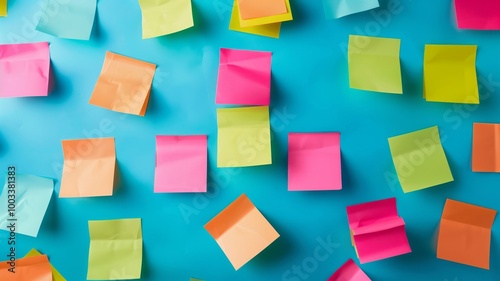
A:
x: 124, y: 84
x: 56, y: 275
x: 181, y: 164
x: 479, y: 15
x: 269, y: 30
x: 281, y: 17
x: 378, y: 232
x: 486, y: 147
x: 465, y: 234
x: 314, y: 161
x: 89, y: 167
x: 244, y: 77
x: 241, y: 231
x: 349, y: 271
x: 24, y: 269
x: 24, y: 70
x: 261, y: 8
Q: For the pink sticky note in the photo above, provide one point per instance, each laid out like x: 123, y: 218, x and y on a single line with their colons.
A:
x: 349, y: 271
x: 244, y: 77
x: 378, y: 231
x: 314, y: 161
x: 478, y: 14
x: 24, y: 70
x: 181, y: 164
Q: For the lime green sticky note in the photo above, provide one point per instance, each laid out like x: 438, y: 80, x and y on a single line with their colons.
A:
x: 3, y: 8
x: 244, y: 136
x: 162, y: 17
x: 115, y: 249
x: 450, y: 74
x: 195, y: 279
x: 56, y: 276
x: 420, y: 160
x: 374, y: 64
x: 268, y: 30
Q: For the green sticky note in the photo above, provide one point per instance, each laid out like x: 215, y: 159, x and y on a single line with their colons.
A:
x: 420, y: 160
x: 244, y: 136
x: 374, y: 64
x: 115, y: 249
x: 162, y: 17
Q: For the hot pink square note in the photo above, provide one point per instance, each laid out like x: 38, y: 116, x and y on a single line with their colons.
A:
x: 478, y: 14
x: 349, y: 271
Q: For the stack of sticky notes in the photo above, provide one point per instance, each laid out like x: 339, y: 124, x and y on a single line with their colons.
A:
x: 260, y: 17
x: 377, y: 230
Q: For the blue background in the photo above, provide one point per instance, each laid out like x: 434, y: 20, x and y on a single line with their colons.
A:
x: 309, y: 86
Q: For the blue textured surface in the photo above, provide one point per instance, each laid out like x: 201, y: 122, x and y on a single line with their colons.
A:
x: 310, y: 84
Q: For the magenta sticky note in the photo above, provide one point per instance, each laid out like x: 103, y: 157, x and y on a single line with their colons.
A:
x: 349, y: 271
x: 478, y: 14
x: 24, y: 70
x: 244, y: 77
x: 314, y: 161
x: 181, y: 164
x: 377, y: 230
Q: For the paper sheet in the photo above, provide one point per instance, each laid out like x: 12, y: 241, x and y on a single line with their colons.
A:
x: 269, y: 30
x: 486, y: 147
x: 56, y: 276
x: 270, y: 19
x: 162, y: 17
x: 335, y: 9
x: 244, y: 77
x: 124, y: 84
x: 349, y: 271
x: 314, y: 161
x: 35, y: 268
x: 450, y: 74
x: 378, y: 231
x: 181, y: 164
x: 32, y: 200
x: 89, y: 167
x: 374, y: 64
x: 419, y: 159
x: 465, y: 234
x: 73, y: 19
x: 244, y: 137
x: 261, y: 8
x: 240, y: 224
x: 479, y: 15
x: 24, y: 62
x: 3, y: 8
x: 115, y: 249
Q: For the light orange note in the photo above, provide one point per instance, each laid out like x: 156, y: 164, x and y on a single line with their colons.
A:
x: 89, y: 167
x: 32, y: 268
x: 486, y: 147
x: 251, y: 9
x: 465, y: 234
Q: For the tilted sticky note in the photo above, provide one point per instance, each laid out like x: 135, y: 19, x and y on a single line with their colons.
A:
x: 287, y: 16
x: 89, y: 167
x: 261, y: 8
x: 244, y: 77
x: 419, y: 159
x: 24, y: 269
x: 486, y: 147
x: 241, y: 231
x: 314, y: 161
x: 349, y: 271
x: 374, y: 64
x: 465, y: 234
x: 115, y: 251
x: 32, y: 198
x: 162, y: 17
x: 378, y: 232
x: 478, y: 14
x: 335, y: 9
x: 24, y: 70
x: 181, y: 164
x: 244, y: 137
x: 195, y: 279
x: 56, y: 276
x: 268, y: 30
x: 450, y: 74
x: 73, y: 19
x: 3, y: 8
x: 124, y: 84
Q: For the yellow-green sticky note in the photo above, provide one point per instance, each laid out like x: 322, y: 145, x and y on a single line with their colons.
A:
x: 244, y: 136
x: 56, y: 276
x: 3, y: 8
x: 268, y: 30
x: 450, y: 74
x: 374, y: 64
x: 115, y: 249
x: 420, y: 160
x: 195, y: 279
x: 162, y: 17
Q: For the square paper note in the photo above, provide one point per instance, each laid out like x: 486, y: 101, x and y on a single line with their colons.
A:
x: 269, y: 30
x: 27, y: 269
x: 335, y: 9
x: 349, y: 271
x: 486, y: 147
x: 162, y: 17
x: 263, y: 7
x: 478, y: 14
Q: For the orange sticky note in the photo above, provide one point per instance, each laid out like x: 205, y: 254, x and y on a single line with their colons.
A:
x: 251, y: 9
x: 89, y: 167
x: 124, y: 84
x: 241, y: 231
x: 486, y: 147
x: 31, y: 268
x: 465, y: 234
